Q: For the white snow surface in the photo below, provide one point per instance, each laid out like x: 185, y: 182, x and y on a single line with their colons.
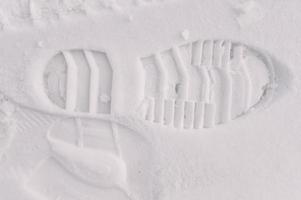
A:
x: 256, y: 156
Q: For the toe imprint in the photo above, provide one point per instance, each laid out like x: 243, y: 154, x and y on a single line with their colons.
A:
x: 204, y: 83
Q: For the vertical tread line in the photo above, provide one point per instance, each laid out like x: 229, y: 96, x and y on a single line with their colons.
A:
x: 183, y: 72
x: 179, y: 113
x: 197, y: 52
x: 94, y: 81
x: 248, y: 81
x: 209, y: 118
x: 163, y: 76
x: 71, y: 89
x: 159, y: 101
x: 189, y: 114
x: 199, y: 115
x: 226, y: 107
x: 169, y: 111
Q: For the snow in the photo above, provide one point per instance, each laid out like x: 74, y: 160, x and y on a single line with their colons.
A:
x: 253, y: 156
